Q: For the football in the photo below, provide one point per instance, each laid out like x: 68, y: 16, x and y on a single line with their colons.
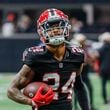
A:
x: 31, y: 89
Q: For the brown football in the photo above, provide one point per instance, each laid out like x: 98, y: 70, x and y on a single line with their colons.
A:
x: 31, y: 89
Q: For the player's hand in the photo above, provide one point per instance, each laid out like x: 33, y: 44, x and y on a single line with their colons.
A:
x: 41, y: 99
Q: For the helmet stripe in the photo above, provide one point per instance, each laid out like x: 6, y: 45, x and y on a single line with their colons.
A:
x: 52, y: 12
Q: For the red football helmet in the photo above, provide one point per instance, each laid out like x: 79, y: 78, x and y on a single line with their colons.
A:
x: 45, y: 23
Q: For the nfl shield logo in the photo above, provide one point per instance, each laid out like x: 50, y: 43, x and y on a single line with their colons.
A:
x: 60, y: 65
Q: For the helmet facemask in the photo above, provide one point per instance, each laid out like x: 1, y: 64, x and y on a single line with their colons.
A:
x: 50, y: 25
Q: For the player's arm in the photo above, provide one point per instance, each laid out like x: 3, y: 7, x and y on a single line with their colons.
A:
x: 23, y: 77
x: 81, y: 92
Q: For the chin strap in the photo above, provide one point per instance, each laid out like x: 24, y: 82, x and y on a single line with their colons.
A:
x: 70, y: 43
x: 67, y: 42
x: 57, y: 40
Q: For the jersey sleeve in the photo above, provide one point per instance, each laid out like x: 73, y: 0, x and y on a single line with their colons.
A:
x: 28, y: 57
x: 82, y: 58
x: 78, y: 54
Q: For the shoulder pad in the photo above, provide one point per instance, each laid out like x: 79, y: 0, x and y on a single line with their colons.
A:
x: 31, y: 52
x: 76, y: 49
x: 36, y: 49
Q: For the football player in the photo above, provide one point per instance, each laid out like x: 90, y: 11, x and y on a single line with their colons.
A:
x: 54, y: 63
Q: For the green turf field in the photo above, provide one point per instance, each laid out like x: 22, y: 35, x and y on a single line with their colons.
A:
x: 7, y: 104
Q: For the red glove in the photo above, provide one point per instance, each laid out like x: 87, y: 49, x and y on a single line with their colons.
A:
x: 43, y: 99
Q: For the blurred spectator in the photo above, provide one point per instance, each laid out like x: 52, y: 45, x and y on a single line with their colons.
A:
x: 8, y: 27
x: 76, y: 25
x: 24, y: 25
x: 83, y: 42
x: 103, y: 55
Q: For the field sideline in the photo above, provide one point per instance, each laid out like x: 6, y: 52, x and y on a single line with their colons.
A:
x: 6, y: 104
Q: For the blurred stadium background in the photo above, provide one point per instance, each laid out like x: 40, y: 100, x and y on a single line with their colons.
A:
x: 18, y: 31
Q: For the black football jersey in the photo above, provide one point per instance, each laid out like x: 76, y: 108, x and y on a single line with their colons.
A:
x: 58, y: 74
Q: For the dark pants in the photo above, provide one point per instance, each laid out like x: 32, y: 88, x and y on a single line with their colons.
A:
x: 104, y: 80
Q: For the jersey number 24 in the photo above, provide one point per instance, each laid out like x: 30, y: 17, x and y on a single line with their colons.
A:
x: 65, y: 89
